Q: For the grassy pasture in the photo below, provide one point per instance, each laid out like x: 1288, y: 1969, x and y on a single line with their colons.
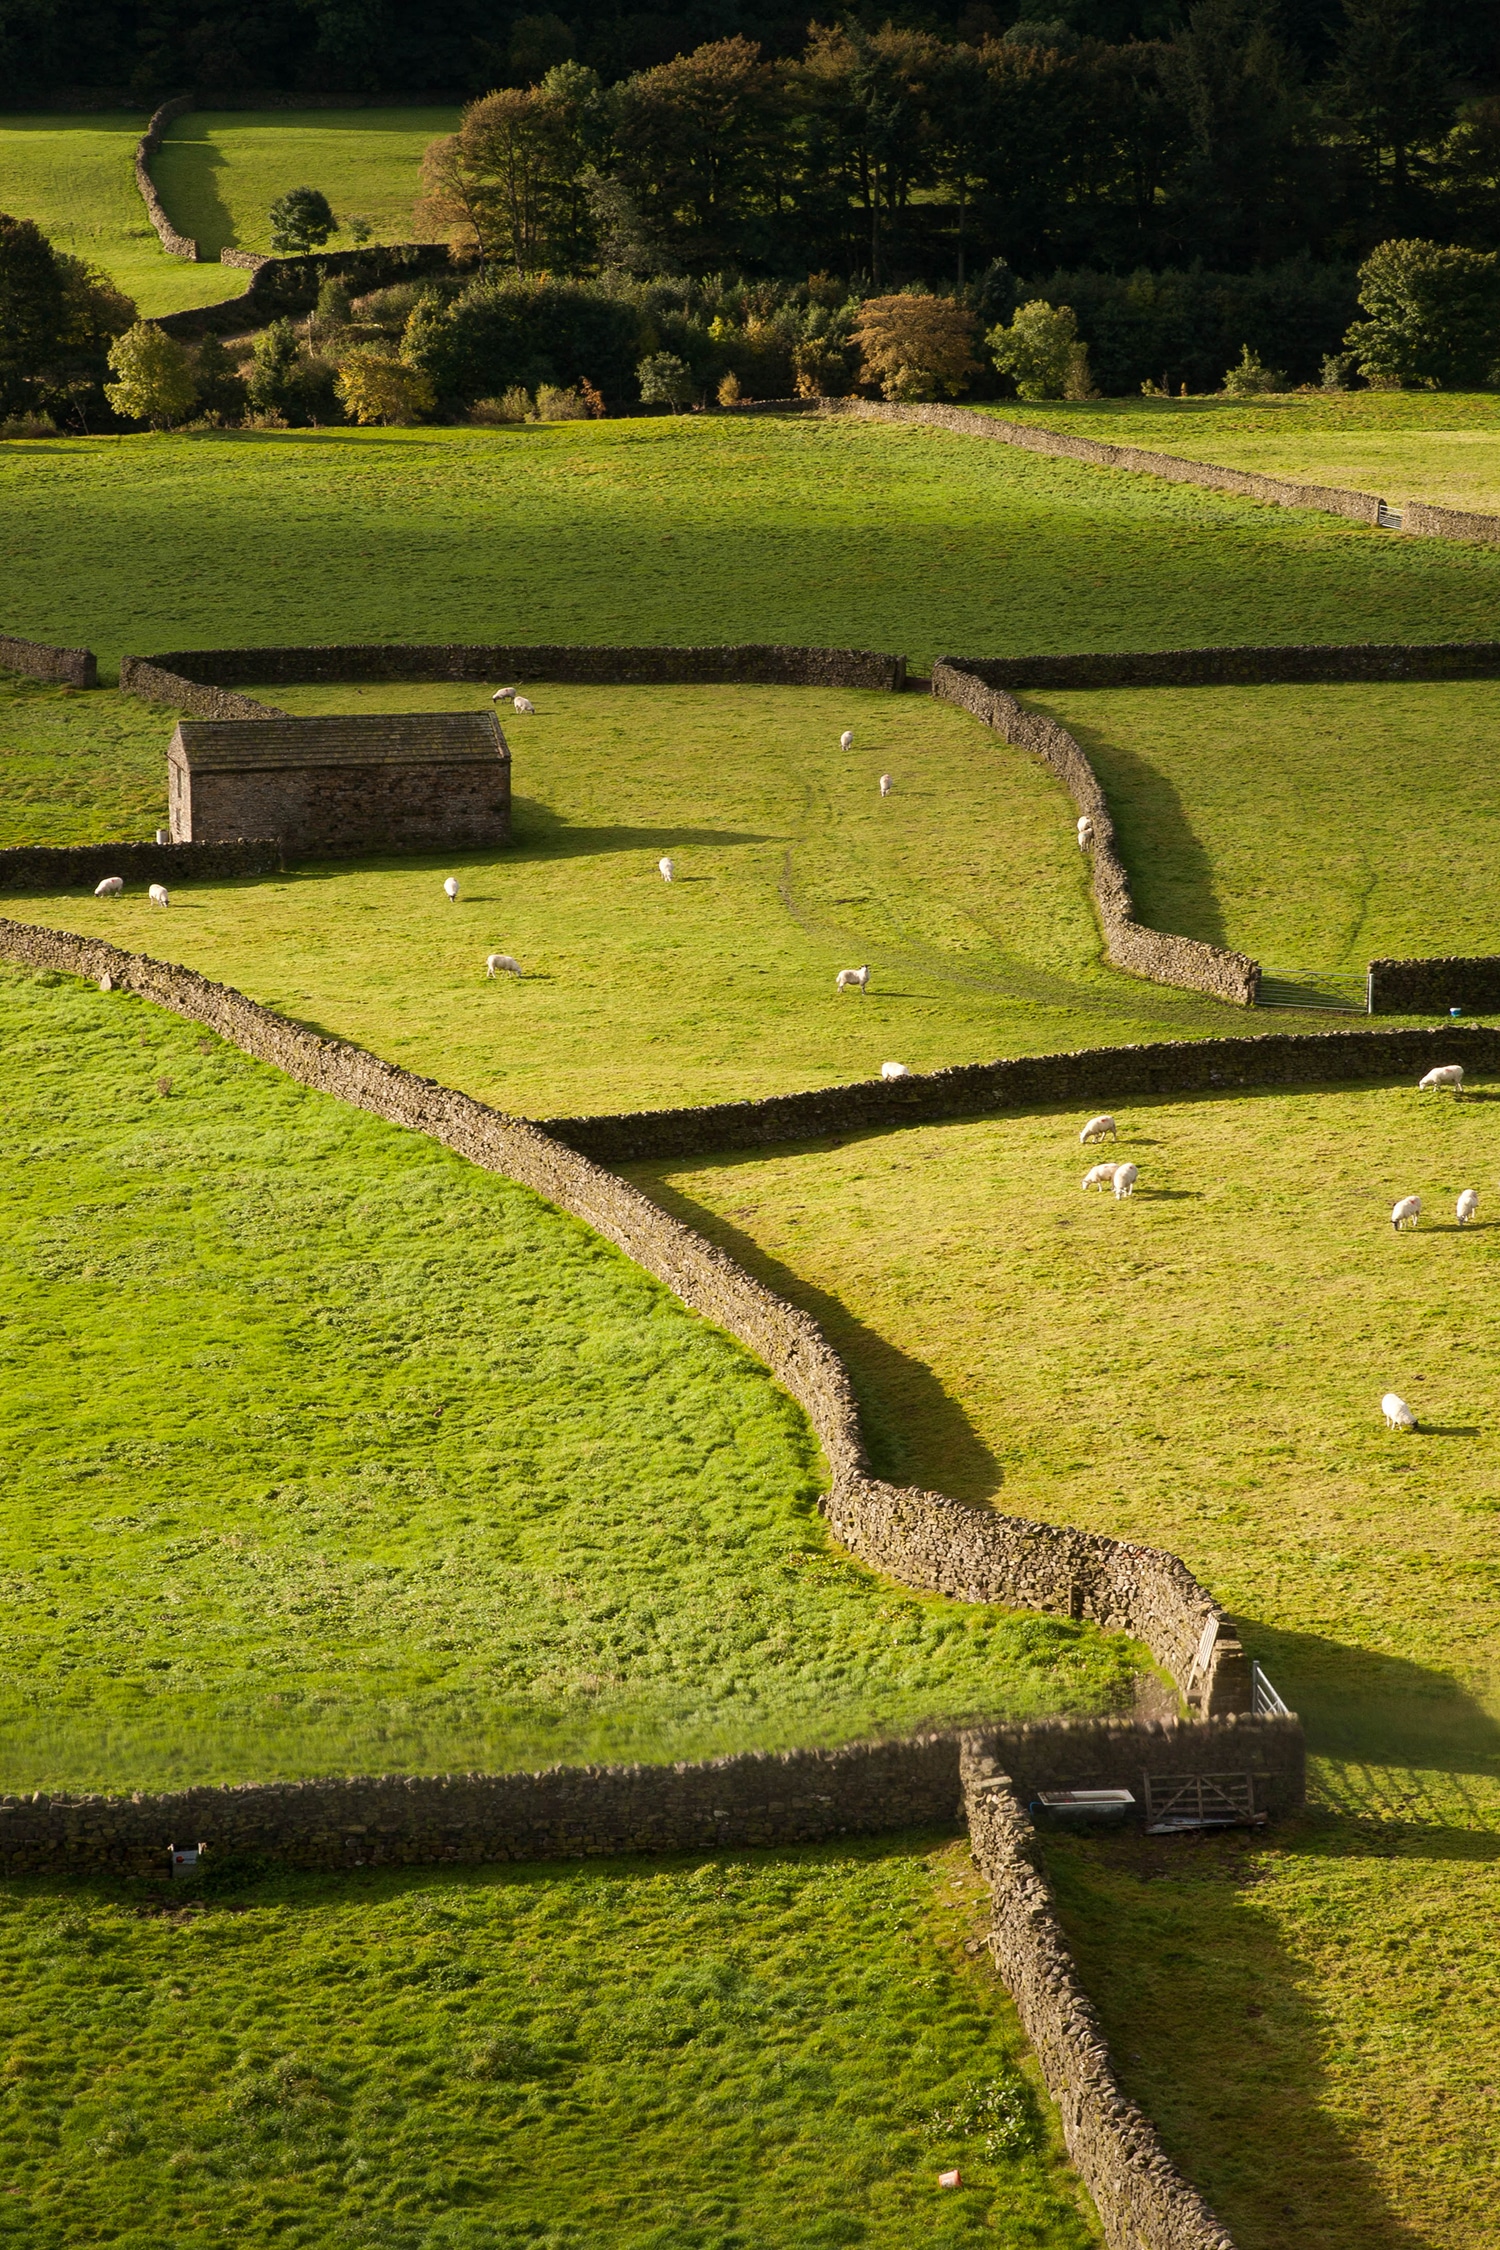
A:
x: 701, y: 528
x: 1442, y: 446
x: 1200, y: 1369
x: 1313, y: 827
x: 74, y: 174
x: 324, y: 1452
x: 219, y: 172
x: 768, y: 2049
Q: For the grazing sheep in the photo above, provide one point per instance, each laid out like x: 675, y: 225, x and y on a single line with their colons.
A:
x: 1101, y: 1128
x: 503, y: 695
x: 451, y: 887
x: 1101, y: 1176
x: 1125, y: 1178
x: 1398, y: 1415
x: 1446, y: 1074
x: 1407, y: 1212
x: 846, y: 739
x: 111, y: 887
x: 886, y: 785
x: 158, y: 895
x: 664, y: 870
x: 1085, y: 833
x: 1468, y: 1206
x: 524, y: 704
x: 894, y: 1070
x: 505, y: 961
x: 859, y: 979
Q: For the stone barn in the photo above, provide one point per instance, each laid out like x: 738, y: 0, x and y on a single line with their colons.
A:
x: 410, y: 779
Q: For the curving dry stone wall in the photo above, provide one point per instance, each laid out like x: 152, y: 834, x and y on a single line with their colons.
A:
x: 750, y: 664
x: 63, y: 667
x: 1153, y: 1597
x: 175, y: 244
x: 1143, y: 2201
x: 1129, y: 944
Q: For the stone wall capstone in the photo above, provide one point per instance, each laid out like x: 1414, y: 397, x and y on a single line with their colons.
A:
x: 175, y: 244
x: 749, y: 664
x: 1129, y: 944
x: 1142, y: 2200
x: 1270, y: 666
x: 1151, y: 1597
x: 62, y: 667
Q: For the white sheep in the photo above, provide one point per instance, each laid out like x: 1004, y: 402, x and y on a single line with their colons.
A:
x: 1101, y: 1128
x: 1407, y: 1212
x: 1468, y: 1206
x: 1126, y: 1176
x: 503, y: 695
x: 1398, y: 1415
x: 886, y: 785
x: 894, y: 1070
x: 846, y: 739
x: 451, y: 887
x: 1100, y: 1176
x: 1446, y: 1074
x: 505, y: 961
x: 524, y: 704
x: 158, y: 895
x: 1085, y: 833
x: 857, y: 979
x: 664, y: 870
x: 111, y: 887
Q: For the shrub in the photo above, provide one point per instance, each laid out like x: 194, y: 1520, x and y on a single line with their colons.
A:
x: 729, y: 389
x: 153, y: 377
x: 1041, y: 353
x: 515, y: 406
x: 283, y: 382
x: 220, y: 386
x: 914, y: 347
x: 665, y: 380
x: 496, y: 335
x: 301, y: 220
x: 554, y: 405
x: 375, y: 388
x: 1251, y: 378
x: 1434, y: 316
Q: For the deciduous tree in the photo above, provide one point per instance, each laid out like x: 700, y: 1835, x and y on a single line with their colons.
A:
x: 915, y: 346
x: 1434, y: 316
x: 153, y: 377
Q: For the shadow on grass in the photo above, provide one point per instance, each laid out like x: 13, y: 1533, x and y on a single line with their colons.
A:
x: 185, y: 180
x: 1367, y: 1707
x: 897, y: 1395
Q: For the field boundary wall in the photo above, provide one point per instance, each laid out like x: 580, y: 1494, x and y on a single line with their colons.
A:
x: 69, y: 867
x: 1447, y: 523
x: 1290, y: 665
x: 1143, y: 2201
x: 176, y: 245
x: 571, y: 1812
x: 60, y: 667
x: 920, y: 1538
x: 764, y: 664
x: 290, y: 284
x: 1413, y: 988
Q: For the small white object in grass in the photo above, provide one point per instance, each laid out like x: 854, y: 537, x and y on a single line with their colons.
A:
x: 1398, y: 1415
x: 1085, y: 832
x: 111, y: 887
x: 1101, y: 1128
x: 502, y: 961
x: 664, y: 870
x: 950, y: 2179
x: 886, y: 785
x: 1101, y: 1175
x: 158, y: 895
x: 894, y: 1070
x: 164, y: 835
x: 1125, y: 1178
x: 106, y: 984
x: 1446, y: 1075
x: 1468, y: 1206
x: 1407, y: 1212
x: 856, y: 980
x: 524, y: 703
x: 451, y: 887
x: 846, y: 739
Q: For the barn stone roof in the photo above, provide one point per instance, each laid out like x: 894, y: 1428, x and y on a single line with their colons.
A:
x: 398, y: 738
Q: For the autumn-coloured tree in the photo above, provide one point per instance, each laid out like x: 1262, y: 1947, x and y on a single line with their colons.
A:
x: 914, y: 347
x: 374, y: 388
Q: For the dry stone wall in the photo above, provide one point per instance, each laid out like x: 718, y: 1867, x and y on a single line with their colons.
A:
x: 1419, y: 988
x: 153, y: 683
x: 1447, y: 523
x: 63, y: 667
x: 78, y: 867
x: 216, y: 669
x: 1129, y: 944
x: 289, y: 285
x: 1305, y: 665
x: 176, y: 245
x: 1142, y: 2200
x: 1152, y: 1597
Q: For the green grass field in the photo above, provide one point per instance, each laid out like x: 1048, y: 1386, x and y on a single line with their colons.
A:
x: 509, y: 1505
x: 698, y: 529
x: 1200, y: 1369
x: 219, y: 172
x: 1442, y: 446
x: 75, y: 175
x: 759, y: 2048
